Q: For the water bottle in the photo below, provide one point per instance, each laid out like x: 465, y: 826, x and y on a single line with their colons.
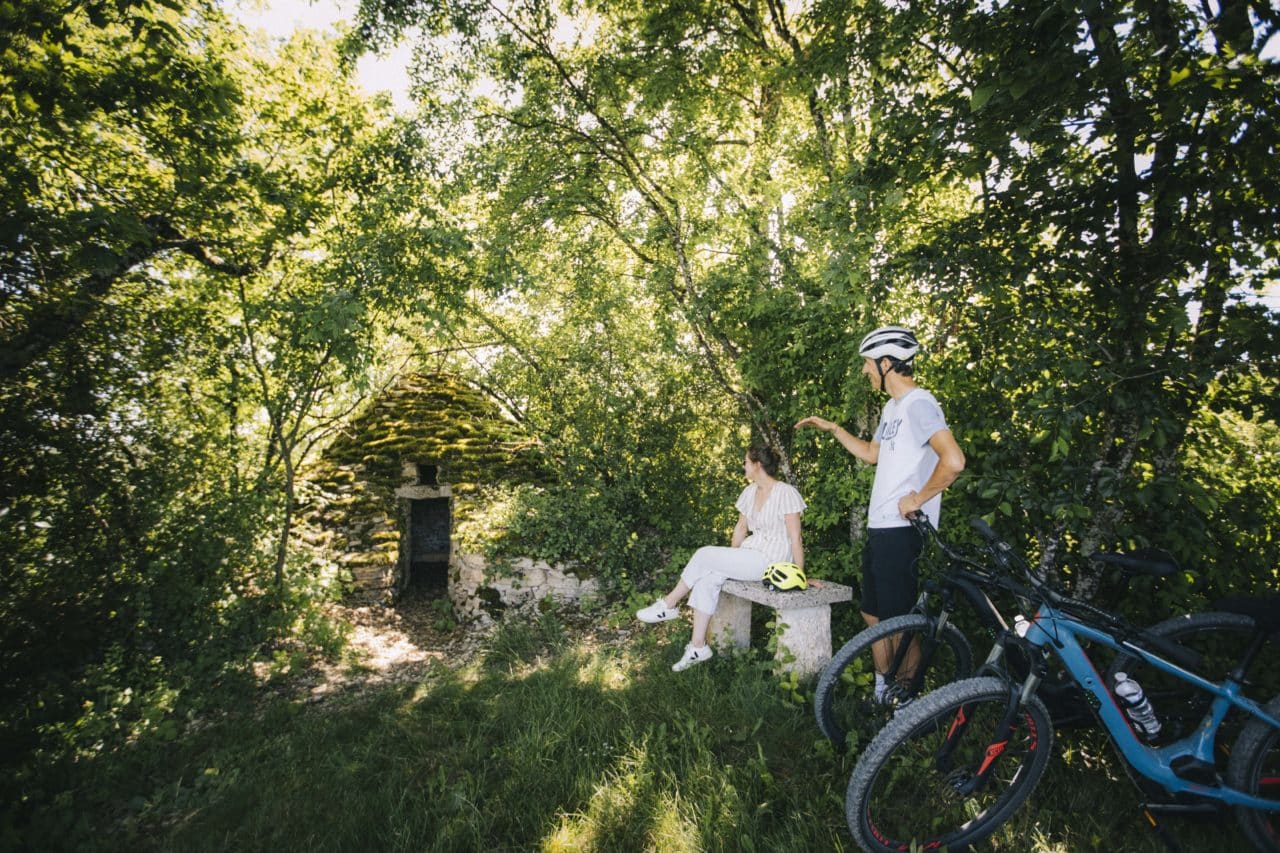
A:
x: 1136, y: 706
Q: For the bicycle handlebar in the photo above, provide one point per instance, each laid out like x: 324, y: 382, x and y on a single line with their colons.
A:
x: 927, y: 531
x: 1012, y: 565
x: 984, y: 574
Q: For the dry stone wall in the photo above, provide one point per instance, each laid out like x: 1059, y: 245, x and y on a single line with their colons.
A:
x: 481, y: 592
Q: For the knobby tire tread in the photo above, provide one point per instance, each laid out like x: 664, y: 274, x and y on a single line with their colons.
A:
x: 1249, y: 759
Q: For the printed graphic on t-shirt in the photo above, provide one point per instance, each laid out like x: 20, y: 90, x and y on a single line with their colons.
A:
x: 890, y: 431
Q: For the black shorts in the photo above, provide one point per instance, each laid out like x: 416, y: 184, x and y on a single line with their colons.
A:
x: 890, y: 582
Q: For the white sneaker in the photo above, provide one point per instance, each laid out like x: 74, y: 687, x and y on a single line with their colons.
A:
x: 657, y: 612
x: 692, y: 655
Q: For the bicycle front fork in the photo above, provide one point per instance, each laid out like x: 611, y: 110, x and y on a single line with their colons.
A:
x: 1018, y: 695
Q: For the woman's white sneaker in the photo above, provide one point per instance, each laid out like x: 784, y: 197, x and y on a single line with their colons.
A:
x: 692, y: 655
x: 657, y: 612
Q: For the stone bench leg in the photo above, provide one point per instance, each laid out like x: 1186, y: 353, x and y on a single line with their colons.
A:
x: 806, y: 635
x: 731, y: 623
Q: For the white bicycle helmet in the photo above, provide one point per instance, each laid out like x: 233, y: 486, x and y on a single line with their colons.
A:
x: 892, y: 341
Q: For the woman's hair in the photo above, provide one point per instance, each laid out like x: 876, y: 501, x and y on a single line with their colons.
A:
x: 764, y: 455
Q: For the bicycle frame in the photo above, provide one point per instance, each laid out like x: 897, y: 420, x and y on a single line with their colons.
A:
x: 1059, y: 632
x: 966, y: 578
x: 960, y: 577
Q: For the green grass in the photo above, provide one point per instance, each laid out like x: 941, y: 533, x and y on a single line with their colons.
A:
x: 547, y: 742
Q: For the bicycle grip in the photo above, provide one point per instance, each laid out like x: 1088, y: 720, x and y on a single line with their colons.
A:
x: 984, y: 529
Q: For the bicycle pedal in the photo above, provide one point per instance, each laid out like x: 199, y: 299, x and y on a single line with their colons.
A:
x: 1165, y: 835
x: 1190, y: 809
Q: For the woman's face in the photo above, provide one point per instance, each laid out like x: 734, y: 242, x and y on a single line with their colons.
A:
x: 751, y: 468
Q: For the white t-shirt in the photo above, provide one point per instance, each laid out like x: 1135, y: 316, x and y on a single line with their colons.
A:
x: 768, y: 527
x: 906, y: 459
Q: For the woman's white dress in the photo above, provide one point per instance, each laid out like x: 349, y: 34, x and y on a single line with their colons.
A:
x: 768, y: 543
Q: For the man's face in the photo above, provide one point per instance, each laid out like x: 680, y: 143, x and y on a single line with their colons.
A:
x: 873, y: 375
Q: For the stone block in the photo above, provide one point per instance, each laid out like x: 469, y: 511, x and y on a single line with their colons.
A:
x: 423, y: 493
x: 805, y: 637
x: 830, y: 593
x: 730, y: 625
x: 805, y: 617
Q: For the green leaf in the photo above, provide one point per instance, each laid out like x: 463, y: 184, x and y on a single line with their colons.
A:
x: 980, y: 96
x: 99, y: 259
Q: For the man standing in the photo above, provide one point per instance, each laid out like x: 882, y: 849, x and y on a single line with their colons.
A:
x: 916, y: 457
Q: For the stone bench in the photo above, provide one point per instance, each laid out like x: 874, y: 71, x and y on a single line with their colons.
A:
x: 805, y: 616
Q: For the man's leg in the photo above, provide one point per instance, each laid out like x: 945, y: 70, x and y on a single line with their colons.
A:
x: 891, y: 568
x: 883, y: 653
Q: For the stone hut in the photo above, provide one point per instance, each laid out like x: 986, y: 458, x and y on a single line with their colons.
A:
x: 386, y: 499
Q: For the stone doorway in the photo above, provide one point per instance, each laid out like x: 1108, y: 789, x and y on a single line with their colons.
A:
x: 426, y: 544
x: 429, y: 531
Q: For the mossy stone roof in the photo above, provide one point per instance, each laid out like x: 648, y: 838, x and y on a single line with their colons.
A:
x: 437, y: 419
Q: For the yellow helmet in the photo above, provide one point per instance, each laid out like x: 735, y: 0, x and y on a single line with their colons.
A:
x: 785, y: 576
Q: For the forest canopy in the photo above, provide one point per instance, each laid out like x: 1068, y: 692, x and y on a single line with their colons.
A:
x: 651, y: 232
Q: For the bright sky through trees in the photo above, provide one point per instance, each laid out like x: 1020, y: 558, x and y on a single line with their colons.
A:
x: 279, y: 18
x: 389, y: 72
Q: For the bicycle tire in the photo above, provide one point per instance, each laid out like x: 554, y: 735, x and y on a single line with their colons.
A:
x: 899, y: 798
x: 1255, y: 768
x: 844, y: 697
x: 1220, y: 639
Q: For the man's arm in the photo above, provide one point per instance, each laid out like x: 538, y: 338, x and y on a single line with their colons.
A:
x: 867, y: 451
x: 950, y: 464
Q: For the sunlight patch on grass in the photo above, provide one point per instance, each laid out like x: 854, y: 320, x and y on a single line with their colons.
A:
x: 616, y: 811
x: 1040, y: 843
x: 670, y: 830
x: 606, y: 673
x: 612, y: 805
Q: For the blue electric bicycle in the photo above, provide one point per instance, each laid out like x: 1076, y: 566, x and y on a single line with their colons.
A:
x: 956, y: 763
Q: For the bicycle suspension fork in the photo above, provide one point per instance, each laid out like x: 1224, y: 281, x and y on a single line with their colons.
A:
x: 1018, y: 695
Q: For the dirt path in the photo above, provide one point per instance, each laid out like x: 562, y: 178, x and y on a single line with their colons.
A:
x: 390, y: 645
x: 402, y: 643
